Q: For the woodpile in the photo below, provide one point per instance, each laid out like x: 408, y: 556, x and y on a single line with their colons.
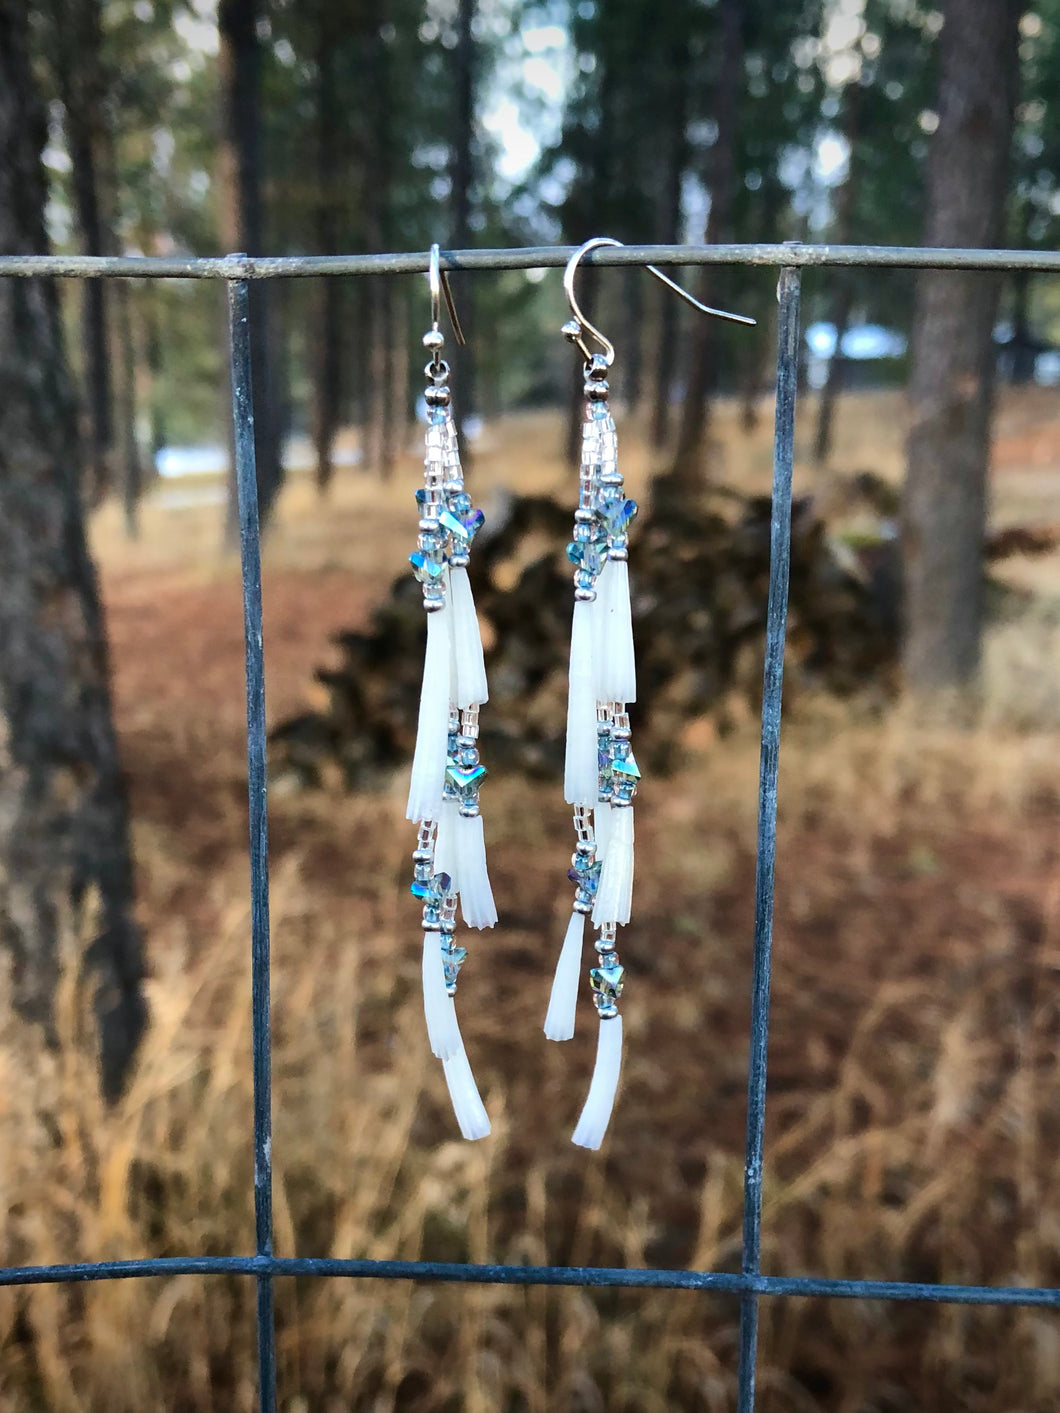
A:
x: 700, y: 579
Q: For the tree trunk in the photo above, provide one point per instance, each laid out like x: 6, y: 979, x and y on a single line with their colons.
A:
x: 632, y: 341
x: 77, y: 42
x: 66, y: 884
x: 688, y: 456
x: 243, y: 230
x: 328, y: 381
x: 670, y: 234
x: 152, y: 345
x: 1023, y: 353
x: 953, y: 357
x: 132, y: 471
x: 822, y: 442
x: 461, y: 172
x: 843, y: 292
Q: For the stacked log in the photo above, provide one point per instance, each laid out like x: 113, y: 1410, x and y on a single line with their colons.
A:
x: 699, y: 576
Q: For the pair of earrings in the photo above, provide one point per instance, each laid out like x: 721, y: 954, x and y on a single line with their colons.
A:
x: 600, y: 772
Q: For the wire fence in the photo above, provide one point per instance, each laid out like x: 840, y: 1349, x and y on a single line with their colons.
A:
x: 750, y: 1285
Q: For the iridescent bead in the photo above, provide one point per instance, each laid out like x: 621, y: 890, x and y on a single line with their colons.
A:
x: 607, y: 980
x: 426, y: 569
x: 626, y: 766
x: 617, y: 515
x: 464, y: 778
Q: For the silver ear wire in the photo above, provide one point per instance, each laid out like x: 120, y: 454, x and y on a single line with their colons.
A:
x: 439, y: 282
x: 578, y: 326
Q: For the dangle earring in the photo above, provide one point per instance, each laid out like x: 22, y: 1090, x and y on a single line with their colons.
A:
x: 449, y: 863
x: 601, y: 774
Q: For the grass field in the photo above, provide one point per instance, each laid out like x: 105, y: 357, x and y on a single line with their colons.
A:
x: 912, y: 1121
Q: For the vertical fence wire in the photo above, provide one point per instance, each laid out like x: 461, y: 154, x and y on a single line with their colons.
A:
x: 250, y: 554
x: 788, y: 289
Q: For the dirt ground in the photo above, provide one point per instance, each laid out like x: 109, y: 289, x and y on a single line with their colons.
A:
x: 912, y: 1118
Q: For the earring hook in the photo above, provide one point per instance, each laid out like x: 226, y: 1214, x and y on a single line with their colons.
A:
x: 439, y: 283
x: 579, y: 325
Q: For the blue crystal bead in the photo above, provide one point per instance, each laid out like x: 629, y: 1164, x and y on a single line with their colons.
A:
x: 627, y: 766
x: 587, y: 877
x: 618, y: 515
x: 426, y: 570
x: 473, y: 523
x: 462, y: 777
x: 453, y: 958
x: 460, y: 504
x: 453, y: 524
x: 431, y: 890
x: 607, y: 980
x: 588, y: 556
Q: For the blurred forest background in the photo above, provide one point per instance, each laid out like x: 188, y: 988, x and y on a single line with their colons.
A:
x: 912, y: 1118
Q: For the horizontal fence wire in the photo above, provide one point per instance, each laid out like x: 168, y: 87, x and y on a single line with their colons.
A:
x: 537, y: 257
x: 721, y: 1283
x: 749, y: 1285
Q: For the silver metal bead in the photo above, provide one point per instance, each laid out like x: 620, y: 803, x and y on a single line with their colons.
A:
x: 585, y: 595
x: 434, y: 338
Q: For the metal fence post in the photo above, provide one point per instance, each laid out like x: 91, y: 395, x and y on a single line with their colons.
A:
x: 776, y: 622
x: 250, y: 555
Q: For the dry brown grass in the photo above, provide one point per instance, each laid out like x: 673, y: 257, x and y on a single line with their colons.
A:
x: 913, y: 1125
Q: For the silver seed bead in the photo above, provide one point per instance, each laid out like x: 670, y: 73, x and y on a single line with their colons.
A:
x: 469, y: 810
x: 585, y: 595
x: 434, y: 338
x: 585, y: 908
